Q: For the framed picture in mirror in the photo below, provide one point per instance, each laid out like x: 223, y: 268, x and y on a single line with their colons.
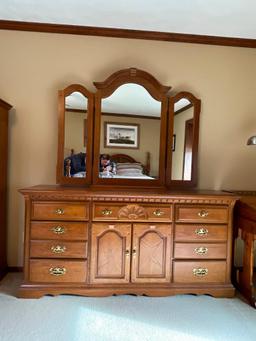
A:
x: 121, y: 135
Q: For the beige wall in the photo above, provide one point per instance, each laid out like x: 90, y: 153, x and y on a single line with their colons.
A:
x: 74, y: 132
x: 149, y: 141
x: 33, y: 66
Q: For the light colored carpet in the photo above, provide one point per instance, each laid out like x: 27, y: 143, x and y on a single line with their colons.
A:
x: 123, y: 318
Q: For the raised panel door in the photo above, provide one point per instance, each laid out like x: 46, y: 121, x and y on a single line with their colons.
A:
x: 110, y: 253
x: 151, y: 253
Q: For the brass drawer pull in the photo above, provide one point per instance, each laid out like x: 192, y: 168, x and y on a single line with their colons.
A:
x: 200, y: 272
x: 58, y: 249
x: 158, y: 212
x: 58, y: 229
x: 202, y: 250
x: 203, y: 213
x: 106, y: 212
x: 202, y: 231
x: 59, y: 211
x: 57, y: 271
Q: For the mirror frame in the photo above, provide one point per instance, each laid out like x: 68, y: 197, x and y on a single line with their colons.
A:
x: 159, y: 93
x: 62, y: 94
x: 172, y: 184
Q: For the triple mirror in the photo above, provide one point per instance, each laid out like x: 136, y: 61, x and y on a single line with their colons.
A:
x: 131, y: 132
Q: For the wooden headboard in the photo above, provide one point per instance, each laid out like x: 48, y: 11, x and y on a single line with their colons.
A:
x: 122, y: 158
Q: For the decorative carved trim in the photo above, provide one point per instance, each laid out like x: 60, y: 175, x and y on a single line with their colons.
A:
x: 132, y: 212
x: 88, y: 196
x: 60, y: 197
x: 133, y: 75
x: 219, y: 201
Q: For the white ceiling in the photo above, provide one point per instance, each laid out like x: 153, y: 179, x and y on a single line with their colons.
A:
x: 230, y: 18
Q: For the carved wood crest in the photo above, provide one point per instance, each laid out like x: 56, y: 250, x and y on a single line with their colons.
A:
x: 132, y: 212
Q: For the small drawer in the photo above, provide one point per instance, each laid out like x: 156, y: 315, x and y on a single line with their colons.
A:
x: 42, y: 210
x: 57, y: 271
x: 200, y: 250
x: 58, y: 230
x: 209, y: 214
x: 132, y: 212
x: 199, y: 271
x: 57, y: 249
x: 196, y: 232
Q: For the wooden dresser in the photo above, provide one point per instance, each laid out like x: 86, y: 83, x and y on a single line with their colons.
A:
x: 97, y: 243
x: 4, y: 108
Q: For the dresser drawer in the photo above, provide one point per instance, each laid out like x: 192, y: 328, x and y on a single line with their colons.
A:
x: 196, y: 232
x: 57, y: 271
x: 57, y: 249
x: 132, y: 212
x: 42, y: 210
x: 200, y: 250
x: 199, y: 271
x: 58, y: 230
x: 208, y: 214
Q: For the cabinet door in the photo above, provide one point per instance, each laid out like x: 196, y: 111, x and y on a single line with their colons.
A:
x: 151, y: 253
x: 110, y: 253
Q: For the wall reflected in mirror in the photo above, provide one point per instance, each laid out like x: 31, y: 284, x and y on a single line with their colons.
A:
x: 75, y: 135
x: 130, y: 134
x: 182, y: 140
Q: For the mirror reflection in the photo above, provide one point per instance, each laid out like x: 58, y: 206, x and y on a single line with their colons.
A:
x: 130, y: 134
x: 75, y: 135
x: 182, y: 140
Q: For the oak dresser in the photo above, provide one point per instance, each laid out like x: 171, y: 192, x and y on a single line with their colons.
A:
x: 97, y: 243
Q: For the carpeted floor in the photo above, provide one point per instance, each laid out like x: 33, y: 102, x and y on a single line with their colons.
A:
x: 123, y: 318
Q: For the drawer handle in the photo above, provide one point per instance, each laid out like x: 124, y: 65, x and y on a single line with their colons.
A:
x: 106, y: 212
x: 202, y: 250
x: 58, y: 249
x: 134, y: 252
x: 200, y: 272
x: 58, y: 230
x: 201, y: 231
x: 158, y: 212
x: 57, y: 271
x: 203, y: 213
x: 60, y: 211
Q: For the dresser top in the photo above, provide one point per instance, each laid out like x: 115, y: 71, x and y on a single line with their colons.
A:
x: 57, y: 192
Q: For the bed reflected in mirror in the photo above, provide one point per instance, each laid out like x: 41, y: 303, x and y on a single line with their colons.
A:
x: 130, y: 134
x: 182, y: 142
x: 75, y: 141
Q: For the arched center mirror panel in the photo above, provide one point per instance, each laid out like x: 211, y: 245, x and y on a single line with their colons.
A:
x: 131, y: 116
x: 75, y: 135
x: 182, y: 148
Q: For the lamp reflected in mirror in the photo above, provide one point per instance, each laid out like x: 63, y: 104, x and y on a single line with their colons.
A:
x: 251, y: 141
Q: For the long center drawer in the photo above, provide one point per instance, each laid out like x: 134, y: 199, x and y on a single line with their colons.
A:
x: 132, y: 212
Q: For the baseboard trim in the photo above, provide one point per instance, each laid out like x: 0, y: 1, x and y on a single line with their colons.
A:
x: 15, y: 269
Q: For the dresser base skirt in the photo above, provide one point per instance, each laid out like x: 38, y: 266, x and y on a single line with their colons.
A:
x: 37, y: 291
